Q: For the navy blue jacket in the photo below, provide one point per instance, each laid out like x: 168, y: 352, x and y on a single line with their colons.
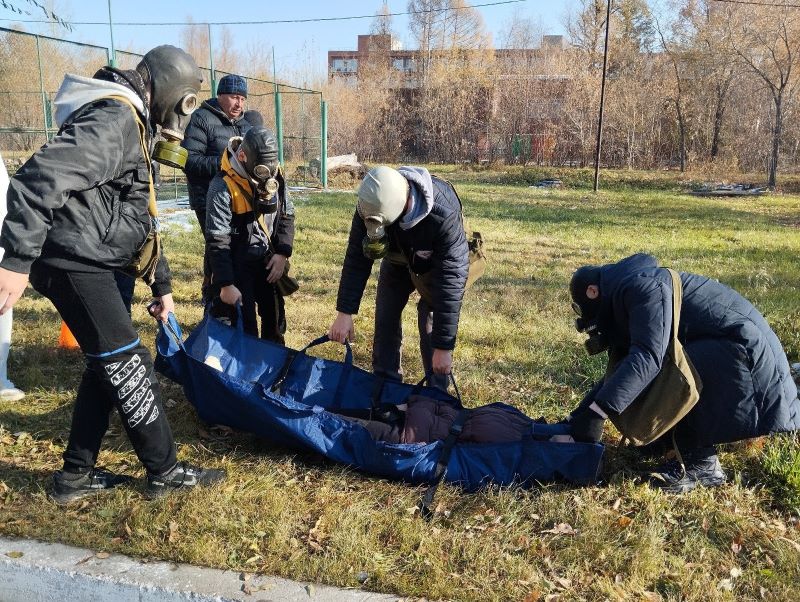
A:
x: 205, y: 139
x: 446, y: 262
x: 747, y: 388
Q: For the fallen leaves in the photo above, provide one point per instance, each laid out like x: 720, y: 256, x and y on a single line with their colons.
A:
x: 316, y: 536
x: 624, y: 522
x: 736, y: 544
x: 561, y: 529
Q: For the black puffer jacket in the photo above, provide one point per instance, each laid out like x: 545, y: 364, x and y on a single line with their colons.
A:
x: 233, y: 232
x: 80, y: 202
x: 747, y: 388
x: 435, y: 248
x: 206, y: 139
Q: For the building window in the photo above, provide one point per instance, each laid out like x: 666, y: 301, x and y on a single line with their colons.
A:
x: 344, y: 65
x: 403, y: 64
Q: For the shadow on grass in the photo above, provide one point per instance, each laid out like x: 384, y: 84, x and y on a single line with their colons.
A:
x: 25, y: 480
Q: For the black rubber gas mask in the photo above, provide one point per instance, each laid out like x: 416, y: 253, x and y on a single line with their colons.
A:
x: 266, y: 187
x: 261, y: 163
x: 598, y: 340
x: 174, y: 80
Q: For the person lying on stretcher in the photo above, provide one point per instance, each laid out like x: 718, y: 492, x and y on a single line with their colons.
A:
x: 425, y: 420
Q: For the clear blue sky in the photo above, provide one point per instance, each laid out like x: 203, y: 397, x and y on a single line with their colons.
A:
x: 296, y: 45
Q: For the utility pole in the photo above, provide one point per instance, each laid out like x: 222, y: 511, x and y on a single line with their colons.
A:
x: 602, y: 102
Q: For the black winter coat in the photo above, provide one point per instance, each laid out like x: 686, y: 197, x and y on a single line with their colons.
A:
x: 747, y: 388
x: 233, y: 232
x: 206, y: 139
x: 80, y: 202
x: 435, y: 248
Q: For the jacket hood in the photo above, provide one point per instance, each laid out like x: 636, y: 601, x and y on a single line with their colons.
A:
x: 612, y: 274
x: 421, y: 193
x: 77, y: 91
x: 229, y: 157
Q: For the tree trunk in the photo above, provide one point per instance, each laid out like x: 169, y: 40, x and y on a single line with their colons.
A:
x: 776, y: 139
x: 681, y: 134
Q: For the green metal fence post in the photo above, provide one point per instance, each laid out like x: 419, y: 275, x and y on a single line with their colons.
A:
x: 279, y: 123
x: 323, y: 154
x: 112, y: 57
x: 41, y: 90
x: 211, y: 63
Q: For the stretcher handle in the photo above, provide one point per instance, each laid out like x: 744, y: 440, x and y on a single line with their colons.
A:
x: 420, y: 384
x: 278, y: 383
x: 170, y: 327
x: 348, y: 356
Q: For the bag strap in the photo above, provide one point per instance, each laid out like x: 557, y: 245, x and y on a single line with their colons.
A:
x: 677, y: 301
x: 152, y: 207
x: 441, y: 466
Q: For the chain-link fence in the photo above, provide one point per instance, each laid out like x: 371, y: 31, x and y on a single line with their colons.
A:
x: 33, y: 66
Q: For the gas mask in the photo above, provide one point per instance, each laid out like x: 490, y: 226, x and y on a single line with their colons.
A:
x: 597, y: 341
x: 375, y: 244
x: 382, y: 197
x: 261, y: 163
x: 588, y: 309
x: 174, y: 80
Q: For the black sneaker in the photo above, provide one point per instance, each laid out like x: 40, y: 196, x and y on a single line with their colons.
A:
x: 183, y: 475
x: 699, y: 472
x: 71, y: 486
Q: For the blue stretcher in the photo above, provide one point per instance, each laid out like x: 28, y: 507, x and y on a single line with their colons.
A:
x: 292, y: 398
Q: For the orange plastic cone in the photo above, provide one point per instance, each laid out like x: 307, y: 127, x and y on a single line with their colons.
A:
x: 66, y: 340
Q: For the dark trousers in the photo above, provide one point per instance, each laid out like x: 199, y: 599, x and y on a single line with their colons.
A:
x: 394, y: 288
x: 259, y: 298
x: 126, y: 285
x: 119, y: 370
x: 205, y: 289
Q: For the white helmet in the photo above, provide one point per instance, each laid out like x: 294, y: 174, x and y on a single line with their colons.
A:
x: 382, y: 197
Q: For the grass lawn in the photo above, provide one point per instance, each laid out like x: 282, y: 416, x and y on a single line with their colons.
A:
x: 296, y: 515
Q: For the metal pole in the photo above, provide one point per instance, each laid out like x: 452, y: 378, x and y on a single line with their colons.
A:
x: 303, y: 132
x: 278, y: 110
x: 279, y: 123
x: 323, y: 162
x: 41, y: 90
x: 602, y: 102
x: 211, y: 62
x: 112, y: 62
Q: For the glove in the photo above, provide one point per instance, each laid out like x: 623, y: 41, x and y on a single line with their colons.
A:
x: 587, y: 425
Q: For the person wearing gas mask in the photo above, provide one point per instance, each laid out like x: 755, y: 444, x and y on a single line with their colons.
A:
x: 82, y: 207
x: 250, y: 233
x: 745, y: 386
x: 411, y: 221
x: 211, y: 127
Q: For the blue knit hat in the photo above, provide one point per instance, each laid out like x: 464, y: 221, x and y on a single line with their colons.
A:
x: 232, y: 84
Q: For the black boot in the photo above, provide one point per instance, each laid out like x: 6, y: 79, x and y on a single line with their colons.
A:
x: 182, y: 476
x: 71, y: 486
x: 702, y: 469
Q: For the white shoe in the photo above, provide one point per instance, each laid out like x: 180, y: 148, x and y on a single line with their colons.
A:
x: 11, y: 394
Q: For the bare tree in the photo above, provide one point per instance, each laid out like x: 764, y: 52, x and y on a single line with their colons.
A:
x: 382, y: 23
x: 767, y: 40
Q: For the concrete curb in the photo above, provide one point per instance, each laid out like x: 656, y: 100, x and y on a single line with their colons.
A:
x: 33, y: 571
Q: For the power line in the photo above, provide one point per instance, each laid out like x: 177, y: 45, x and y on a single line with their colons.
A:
x: 282, y: 21
x: 766, y: 4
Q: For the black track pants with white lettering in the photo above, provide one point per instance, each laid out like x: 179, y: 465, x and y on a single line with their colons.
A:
x: 119, y: 370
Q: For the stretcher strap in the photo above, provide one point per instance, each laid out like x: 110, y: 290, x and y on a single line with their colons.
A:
x: 377, y: 393
x: 347, y: 367
x: 441, y: 466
